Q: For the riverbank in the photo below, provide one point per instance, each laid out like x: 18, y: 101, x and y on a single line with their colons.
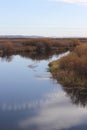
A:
x: 71, y: 70
x: 38, y: 45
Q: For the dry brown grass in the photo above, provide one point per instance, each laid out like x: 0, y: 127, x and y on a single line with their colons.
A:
x: 37, y: 44
x: 72, y: 69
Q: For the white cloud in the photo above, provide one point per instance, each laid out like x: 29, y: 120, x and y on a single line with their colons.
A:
x: 72, y: 1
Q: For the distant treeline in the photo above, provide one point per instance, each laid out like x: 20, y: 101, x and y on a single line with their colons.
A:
x: 38, y: 45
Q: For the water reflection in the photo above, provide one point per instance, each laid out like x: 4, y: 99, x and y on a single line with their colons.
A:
x: 56, y: 113
x: 32, y: 100
x: 33, y: 56
x: 78, y: 95
x: 7, y: 58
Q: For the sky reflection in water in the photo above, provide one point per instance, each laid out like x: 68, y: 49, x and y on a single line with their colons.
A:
x: 31, y: 100
x: 56, y: 112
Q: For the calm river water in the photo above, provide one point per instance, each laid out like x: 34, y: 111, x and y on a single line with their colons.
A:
x: 31, y: 100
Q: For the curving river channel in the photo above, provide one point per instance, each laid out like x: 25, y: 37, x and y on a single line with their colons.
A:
x: 31, y: 100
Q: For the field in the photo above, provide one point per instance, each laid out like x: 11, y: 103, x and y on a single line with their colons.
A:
x: 37, y: 45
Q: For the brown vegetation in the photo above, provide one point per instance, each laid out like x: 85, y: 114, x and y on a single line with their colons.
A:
x: 72, y: 69
x: 39, y: 45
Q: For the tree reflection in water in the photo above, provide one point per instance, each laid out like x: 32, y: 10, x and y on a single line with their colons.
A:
x: 78, y: 95
x: 33, y: 56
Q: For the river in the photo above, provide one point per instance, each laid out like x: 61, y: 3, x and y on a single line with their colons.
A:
x: 31, y: 100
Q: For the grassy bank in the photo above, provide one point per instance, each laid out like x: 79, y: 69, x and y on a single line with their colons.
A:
x: 37, y: 45
x: 71, y: 70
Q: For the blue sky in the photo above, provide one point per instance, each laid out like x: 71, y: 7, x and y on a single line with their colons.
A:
x: 61, y: 18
